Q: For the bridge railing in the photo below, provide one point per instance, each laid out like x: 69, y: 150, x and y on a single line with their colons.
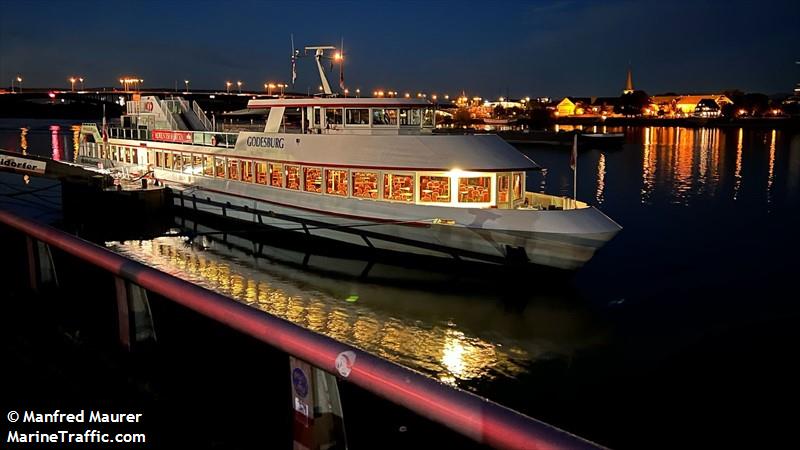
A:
x: 475, y: 417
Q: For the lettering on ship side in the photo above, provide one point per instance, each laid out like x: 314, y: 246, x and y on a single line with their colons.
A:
x: 265, y: 141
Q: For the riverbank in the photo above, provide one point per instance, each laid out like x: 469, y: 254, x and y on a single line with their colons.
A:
x: 783, y: 123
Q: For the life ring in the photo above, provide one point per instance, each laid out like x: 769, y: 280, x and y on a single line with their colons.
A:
x: 148, y: 106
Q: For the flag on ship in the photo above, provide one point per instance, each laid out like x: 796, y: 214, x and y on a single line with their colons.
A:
x: 341, y: 65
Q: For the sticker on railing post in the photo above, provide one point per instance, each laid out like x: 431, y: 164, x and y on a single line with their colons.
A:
x: 345, y: 362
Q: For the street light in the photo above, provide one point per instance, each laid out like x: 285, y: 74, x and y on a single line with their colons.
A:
x: 19, y: 84
x: 358, y: 92
x: 239, y: 84
x: 72, y: 81
x: 186, y: 82
x: 81, y: 80
x: 228, y: 87
x: 346, y: 91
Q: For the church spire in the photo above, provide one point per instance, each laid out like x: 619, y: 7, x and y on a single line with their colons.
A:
x: 628, y: 83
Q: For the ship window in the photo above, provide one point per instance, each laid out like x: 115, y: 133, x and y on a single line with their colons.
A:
x: 233, y: 169
x: 474, y: 189
x: 114, y: 152
x: 410, y: 117
x: 261, y: 172
x: 336, y: 182
x: 384, y: 116
x: 503, y: 188
x: 159, y: 159
x: 176, y: 162
x: 247, y: 171
x: 517, y: 184
x: 427, y: 117
x: 434, y: 189
x: 276, y: 175
x: 312, y: 177
x: 208, y: 166
x: 333, y: 116
x: 127, y: 154
x: 357, y: 116
x: 365, y: 184
x: 187, y: 163
x: 168, y: 160
x: 293, y: 177
x: 219, y: 165
x: 399, y: 187
x: 134, y: 156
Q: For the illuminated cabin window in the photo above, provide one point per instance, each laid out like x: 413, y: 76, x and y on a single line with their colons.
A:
x: 336, y: 182
x: 365, y: 184
x: 357, y: 116
x: 434, y: 189
x: 503, y: 188
x: 517, y: 185
x: 134, y: 156
x: 398, y: 187
x: 219, y: 165
x: 159, y: 159
x: 276, y: 175
x: 114, y: 152
x: 168, y: 160
x: 187, y: 162
x: 333, y: 116
x: 261, y: 172
x: 410, y: 117
x: 176, y: 162
x: 233, y: 169
x: 127, y: 154
x: 197, y: 164
x: 474, y: 189
x: 384, y: 116
x: 293, y: 177
x: 312, y: 179
x: 208, y: 166
x: 246, y: 167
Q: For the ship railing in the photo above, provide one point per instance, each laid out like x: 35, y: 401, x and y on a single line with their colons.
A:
x: 475, y: 417
x: 538, y: 201
x: 206, y: 138
x: 202, y: 116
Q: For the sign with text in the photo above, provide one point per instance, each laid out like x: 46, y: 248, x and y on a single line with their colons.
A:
x: 22, y: 164
x: 181, y: 137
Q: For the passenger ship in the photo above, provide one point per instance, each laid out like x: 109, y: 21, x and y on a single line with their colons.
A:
x: 367, y: 171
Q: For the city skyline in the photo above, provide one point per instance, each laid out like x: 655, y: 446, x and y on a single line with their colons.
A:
x: 554, y: 48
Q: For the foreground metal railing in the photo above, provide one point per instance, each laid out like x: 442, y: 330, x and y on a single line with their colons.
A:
x: 484, y: 421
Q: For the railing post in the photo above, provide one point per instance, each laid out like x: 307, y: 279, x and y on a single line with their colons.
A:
x: 41, y: 269
x: 134, y: 317
x: 317, y: 422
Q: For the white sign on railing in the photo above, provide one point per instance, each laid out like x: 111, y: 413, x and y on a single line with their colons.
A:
x: 22, y: 164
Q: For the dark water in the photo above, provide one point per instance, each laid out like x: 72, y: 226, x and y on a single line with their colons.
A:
x: 681, y: 332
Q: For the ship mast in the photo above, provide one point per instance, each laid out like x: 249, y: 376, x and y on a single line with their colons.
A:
x: 320, y: 50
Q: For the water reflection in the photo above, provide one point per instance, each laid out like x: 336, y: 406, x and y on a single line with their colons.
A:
x: 54, y: 142
x: 455, y: 338
x: 601, y: 179
x: 683, y: 164
x: 23, y: 140
x: 738, y: 173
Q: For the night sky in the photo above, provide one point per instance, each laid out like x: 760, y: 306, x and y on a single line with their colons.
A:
x: 487, y: 48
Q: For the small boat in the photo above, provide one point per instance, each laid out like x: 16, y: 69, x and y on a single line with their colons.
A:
x: 490, y: 121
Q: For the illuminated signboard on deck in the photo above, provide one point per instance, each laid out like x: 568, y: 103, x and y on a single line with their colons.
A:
x: 181, y: 137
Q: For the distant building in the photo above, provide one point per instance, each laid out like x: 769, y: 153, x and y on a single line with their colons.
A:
x: 686, y: 104
x: 628, y: 83
x: 707, y: 108
x: 571, y: 106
